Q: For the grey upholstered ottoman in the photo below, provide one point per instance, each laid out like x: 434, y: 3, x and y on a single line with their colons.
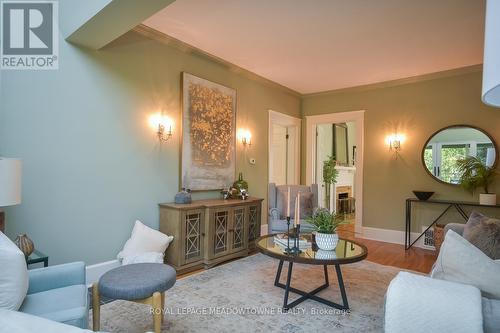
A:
x: 141, y: 283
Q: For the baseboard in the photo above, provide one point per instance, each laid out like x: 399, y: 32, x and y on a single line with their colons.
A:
x: 389, y: 236
x: 94, y: 272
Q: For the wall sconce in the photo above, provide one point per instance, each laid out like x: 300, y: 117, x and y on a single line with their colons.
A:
x: 245, y: 137
x: 163, y: 126
x: 395, y: 141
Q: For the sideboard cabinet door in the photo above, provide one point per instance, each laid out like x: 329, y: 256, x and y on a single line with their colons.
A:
x: 192, y: 235
x: 253, y: 224
x: 219, y: 232
x: 238, y: 231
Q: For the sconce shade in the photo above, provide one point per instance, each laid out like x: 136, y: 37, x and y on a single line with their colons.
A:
x: 10, y: 181
x: 491, y: 61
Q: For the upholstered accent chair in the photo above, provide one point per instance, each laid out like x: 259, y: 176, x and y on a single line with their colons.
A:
x: 277, y: 195
x: 58, y: 293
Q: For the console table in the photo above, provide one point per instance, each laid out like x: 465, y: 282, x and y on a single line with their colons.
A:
x: 208, y: 232
x: 458, y: 205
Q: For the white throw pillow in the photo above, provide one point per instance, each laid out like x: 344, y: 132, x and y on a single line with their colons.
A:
x: 152, y: 257
x: 460, y: 261
x: 13, y: 275
x: 143, y: 240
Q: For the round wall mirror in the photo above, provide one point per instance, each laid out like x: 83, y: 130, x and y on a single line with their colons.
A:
x: 446, y: 146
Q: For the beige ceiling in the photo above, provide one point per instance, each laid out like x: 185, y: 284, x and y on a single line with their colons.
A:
x: 318, y: 45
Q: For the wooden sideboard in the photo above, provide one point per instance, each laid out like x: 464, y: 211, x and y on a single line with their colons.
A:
x: 208, y: 232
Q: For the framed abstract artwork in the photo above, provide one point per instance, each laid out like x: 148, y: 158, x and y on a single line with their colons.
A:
x: 208, y: 134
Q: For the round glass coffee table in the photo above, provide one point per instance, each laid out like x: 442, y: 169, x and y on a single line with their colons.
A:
x: 346, y: 252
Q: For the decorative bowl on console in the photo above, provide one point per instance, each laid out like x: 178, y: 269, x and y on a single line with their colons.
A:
x: 423, y: 195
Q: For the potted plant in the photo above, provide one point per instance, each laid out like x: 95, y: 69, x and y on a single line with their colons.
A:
x: 474, y: 174
x: 329, y: 177
x: 325, y: 224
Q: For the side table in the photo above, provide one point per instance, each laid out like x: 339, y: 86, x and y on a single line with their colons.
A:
x: 37, y: 257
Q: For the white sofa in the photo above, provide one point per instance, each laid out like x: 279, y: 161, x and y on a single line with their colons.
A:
x: 18, y: 322
x: 462, y: 293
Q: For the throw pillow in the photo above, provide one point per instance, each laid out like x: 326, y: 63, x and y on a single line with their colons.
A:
x: 144, y: 239
x: 147, y: 257
x: 306, y: 202
x: 13, y: 276
x: 460, y: 261
x: 484, y: 233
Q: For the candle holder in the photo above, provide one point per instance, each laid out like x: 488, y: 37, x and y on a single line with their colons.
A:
x: 295, y: 248
x: 288, y: 250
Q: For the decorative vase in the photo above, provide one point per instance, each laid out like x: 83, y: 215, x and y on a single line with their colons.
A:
x: 327, y: 242
x: 240, y: 184
x: 183, y: 197
x: 488, y: 199
x: 25, y: 244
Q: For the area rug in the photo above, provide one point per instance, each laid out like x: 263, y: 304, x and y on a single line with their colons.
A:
x: 241, y: 297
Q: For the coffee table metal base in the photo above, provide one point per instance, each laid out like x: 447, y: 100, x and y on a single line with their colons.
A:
x: 312, y: 294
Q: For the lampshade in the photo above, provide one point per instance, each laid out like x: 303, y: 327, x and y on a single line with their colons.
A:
x: 10, y: 182
x: 491, y: 62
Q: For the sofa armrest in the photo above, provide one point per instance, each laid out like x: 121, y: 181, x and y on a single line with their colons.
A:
x: 54, y: 277
x: 416, y: 303
x: 457, y: 227
x: 274, y: 213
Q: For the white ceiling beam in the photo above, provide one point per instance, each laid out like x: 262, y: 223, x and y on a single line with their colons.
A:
x: 96, y: 23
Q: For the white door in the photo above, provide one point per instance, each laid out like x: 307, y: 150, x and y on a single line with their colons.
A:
x: 284, y: 149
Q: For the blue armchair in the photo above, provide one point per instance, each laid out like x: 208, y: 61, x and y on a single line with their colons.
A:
x: 58, y: 293
x: 277, y: 207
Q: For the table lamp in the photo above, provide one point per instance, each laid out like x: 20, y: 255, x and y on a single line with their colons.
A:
x: 10, y: 185
x: 491, y: 61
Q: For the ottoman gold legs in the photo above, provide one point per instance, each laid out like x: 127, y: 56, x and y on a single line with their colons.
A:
x: 157, y: 303
x: 96, y: 308
x: 157, y: 311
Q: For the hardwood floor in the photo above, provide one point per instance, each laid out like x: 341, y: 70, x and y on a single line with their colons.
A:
x: 415, y: 259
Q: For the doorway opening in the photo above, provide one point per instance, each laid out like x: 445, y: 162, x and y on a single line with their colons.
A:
x: 284, y: 149
x: 338, y: 136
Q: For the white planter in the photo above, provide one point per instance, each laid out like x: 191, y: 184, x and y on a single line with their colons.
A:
x: 325, y: 255
x: 487, y: 199
x: 327, y: 242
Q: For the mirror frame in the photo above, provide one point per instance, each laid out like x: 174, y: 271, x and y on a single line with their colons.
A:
x: 449, y: 127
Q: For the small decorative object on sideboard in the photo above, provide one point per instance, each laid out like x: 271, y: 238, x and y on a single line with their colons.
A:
x: 226, y: 193
x: 474, y: 174
x: 326, y: 223
x: 183, y: 197
x: 240, y: 183
x: 423, y: 195
x: 25, y: 244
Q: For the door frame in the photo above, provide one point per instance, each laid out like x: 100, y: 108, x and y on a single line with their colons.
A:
x: 287, y: 121
x: 358, y: 117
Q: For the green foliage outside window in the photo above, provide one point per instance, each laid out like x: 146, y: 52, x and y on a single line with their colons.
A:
x: 450, y: 172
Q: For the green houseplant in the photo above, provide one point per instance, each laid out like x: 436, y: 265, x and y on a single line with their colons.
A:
x: 329, y: 177
x: 325, y: 224
x: 474, y: 173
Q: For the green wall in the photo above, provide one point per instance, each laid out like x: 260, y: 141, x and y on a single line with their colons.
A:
x: 417, y: 110
x: 92, y: 165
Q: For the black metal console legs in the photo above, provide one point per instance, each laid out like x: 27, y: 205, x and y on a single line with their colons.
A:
x: 312, y: 294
